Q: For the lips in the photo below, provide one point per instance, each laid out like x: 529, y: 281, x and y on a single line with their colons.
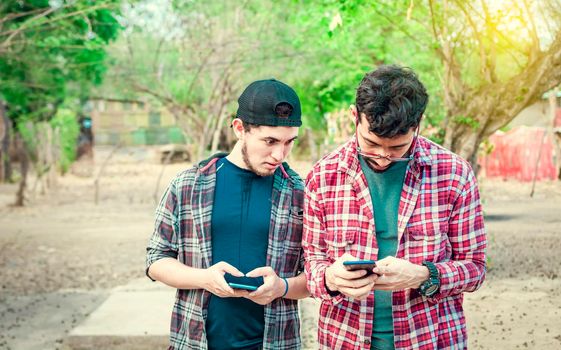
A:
x: 272, y: 165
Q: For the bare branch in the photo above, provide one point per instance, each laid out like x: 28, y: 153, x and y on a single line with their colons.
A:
x: 11, y: 34
x: 482, y: 54
x: 202, y: 65
x: 533, y: 32
x: 36, y: 21
x: 13, y: 16
x: 491, y: 58
x: 414, y: 40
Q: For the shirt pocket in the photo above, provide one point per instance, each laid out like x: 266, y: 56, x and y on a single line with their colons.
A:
x: 291, y: 243
x: 296, y: 215
x: 426, y: 243
x: 340, y: 242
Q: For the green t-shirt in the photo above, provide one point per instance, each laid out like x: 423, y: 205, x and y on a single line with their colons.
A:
x: 385, y: 190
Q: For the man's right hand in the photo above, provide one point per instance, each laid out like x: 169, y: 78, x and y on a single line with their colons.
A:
x: 215, y: 283
x: 353, y: 284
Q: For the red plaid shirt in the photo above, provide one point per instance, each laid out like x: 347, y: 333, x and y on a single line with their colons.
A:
x: 440, y: 220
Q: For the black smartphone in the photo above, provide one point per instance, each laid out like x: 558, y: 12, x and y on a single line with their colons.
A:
x: 353, y: 265
x: 242, y: 286
x: 247, y: 283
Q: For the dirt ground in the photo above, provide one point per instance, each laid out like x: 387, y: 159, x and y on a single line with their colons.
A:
x: 62, y: 254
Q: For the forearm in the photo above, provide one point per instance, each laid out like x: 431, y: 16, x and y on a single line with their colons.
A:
x: 176, y: 274
x: 297, y: 288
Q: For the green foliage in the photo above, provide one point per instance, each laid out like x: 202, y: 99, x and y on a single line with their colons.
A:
x: 181, y: 49
x: 469, y: 121
x: 50, y: 50
x: 347, y: 39
x: 65, y: 130
x: 68, y: 129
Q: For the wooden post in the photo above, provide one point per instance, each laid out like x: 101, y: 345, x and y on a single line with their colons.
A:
x: 548, y: 131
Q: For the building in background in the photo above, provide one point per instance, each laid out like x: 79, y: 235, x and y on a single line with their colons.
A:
x: 132, y: 123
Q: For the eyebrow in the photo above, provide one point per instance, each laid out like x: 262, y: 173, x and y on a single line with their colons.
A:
x: 275, y: 139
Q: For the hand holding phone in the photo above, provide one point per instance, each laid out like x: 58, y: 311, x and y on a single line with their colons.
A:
x: 242, y: 286
x: 353, y: 265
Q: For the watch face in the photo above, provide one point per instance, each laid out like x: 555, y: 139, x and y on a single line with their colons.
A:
x: 432, y: 289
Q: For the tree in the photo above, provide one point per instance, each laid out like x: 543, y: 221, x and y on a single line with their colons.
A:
x: 482, y: 61
x: 50, y: 53
x: 195, y: 57
x: 497, y: 61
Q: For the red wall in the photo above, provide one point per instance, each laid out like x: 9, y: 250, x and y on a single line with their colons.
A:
x: 515, y: 153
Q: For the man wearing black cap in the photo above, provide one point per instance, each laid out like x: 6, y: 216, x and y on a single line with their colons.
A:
x: 228, y: 234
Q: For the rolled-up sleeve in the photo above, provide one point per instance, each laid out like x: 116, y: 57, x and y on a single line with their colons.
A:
x: 315, y: 256
x: 466, y: 271
x: 163, y: 242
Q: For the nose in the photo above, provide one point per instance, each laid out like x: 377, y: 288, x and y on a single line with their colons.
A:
x: 278, y: 153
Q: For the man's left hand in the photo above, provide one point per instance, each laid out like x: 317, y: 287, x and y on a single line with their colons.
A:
x: 273, y: 286
x: 399, y: 274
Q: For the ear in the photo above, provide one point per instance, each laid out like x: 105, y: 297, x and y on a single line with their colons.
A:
x: 237, y: 125
x: 353, y: 114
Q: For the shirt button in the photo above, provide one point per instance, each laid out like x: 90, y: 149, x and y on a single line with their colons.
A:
x: 366, y: 341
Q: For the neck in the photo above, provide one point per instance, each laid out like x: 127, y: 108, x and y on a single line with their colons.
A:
x: 236, y: 157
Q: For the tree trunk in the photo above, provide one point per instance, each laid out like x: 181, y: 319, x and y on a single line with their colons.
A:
x: 3, y: 136
x: 24, y: 165
x: 216, y: 133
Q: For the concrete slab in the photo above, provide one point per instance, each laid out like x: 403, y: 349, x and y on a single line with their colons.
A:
x: 136, y: 315
x: 42, y: 321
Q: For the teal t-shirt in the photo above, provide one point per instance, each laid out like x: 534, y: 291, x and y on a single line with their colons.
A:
x: 241, y: 216
x: 385, y: 190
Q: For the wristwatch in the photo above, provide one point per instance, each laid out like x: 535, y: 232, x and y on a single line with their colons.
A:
x: 431, y: 286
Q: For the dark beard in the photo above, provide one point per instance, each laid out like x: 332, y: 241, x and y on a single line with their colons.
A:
x: 248, y: 164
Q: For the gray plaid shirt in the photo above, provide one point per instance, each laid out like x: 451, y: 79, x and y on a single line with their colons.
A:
x: 182, y: 231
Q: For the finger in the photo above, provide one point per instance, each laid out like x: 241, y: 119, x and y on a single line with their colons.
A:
x: 384, y: 283
x: 358, y: 292
x: 260, y: 271
x: 225, y: 267
x: 345, y: 257
x: 345, y: 283
x: 385, y: 261
x: 258, y: 292
x: 224, y: 286
x: 349, y: 275
x: 383, y: 270
x: 359, y: 283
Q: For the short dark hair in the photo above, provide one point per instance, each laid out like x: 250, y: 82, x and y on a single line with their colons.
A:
x: 282, y: 110
x: 393, y: 100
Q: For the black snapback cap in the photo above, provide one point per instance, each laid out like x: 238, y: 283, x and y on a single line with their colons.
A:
x: 258, y: 103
